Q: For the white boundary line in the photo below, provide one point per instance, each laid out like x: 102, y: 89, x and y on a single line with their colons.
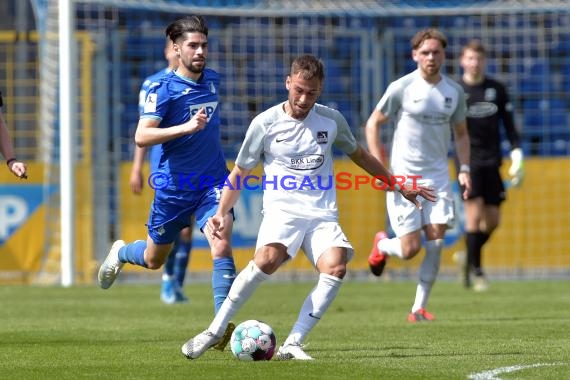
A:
x: 493, y: 373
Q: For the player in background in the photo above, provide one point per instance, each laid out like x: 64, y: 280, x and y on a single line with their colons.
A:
x: 294, y: 140
x: 426, y: 107
x: 489, y: 107
x: 17, y: 167
x: 175, y: 268
x: 182, y: 113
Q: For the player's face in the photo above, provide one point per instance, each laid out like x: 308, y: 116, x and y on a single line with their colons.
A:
x: 192, y: 51
x: 429, y: 56
x: 473, y: 63
x: 303, y: 94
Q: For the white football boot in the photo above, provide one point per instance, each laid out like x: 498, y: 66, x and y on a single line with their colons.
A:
x: 196, y: 346
x: 292, y: 351
x: 111, y: 266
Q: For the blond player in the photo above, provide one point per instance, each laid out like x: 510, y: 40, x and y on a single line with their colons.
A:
x: 426, y: 107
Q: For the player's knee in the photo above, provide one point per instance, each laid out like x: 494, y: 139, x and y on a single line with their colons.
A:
x: 410, y: 251
x: 153, y: 263
x: 222, y: 249
x: 491, y: 227
x: 338, y: 271
x: 186, y: 234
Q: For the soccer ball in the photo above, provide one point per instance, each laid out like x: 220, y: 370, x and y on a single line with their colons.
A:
x: 253, y: 340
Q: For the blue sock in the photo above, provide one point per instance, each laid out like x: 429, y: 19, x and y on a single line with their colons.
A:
x: 133, y: 253
x: 223, y: 276
x: 181, y: 262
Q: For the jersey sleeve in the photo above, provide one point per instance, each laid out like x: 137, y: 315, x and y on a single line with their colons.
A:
x: 391, y: 101
x: 345, y: 140
x: 142, y: 95
x: 157, y: 101
x: 506, y: 114
x: 252, y: 147
x: 460, y: 114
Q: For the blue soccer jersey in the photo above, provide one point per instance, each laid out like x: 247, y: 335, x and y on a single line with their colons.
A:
x: 193, y: 162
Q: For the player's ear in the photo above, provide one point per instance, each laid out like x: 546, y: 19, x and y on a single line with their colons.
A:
x: 414, y: 56
x: 176, y: 48
x: 288, y: 83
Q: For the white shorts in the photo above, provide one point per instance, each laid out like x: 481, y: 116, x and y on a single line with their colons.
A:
x: 313, y: 235
x: 405, y: 217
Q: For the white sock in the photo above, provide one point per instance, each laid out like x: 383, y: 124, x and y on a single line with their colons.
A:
x: 391, y: 247
x: 315, y: 305
x: 427, y: 273
x: 242, y: 288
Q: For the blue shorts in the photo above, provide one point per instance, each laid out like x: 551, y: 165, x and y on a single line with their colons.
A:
x: 171, y: 211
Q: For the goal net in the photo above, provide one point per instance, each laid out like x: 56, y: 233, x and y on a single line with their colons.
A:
x: 364, y: 45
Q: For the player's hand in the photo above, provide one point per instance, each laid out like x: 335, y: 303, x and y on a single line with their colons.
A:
x: 136, y: 182
x: 516, y: 171
x: 19, y: 169
x: 197, y: 122
x: 412, y: 194
x: 214, y: 226
x: 464, y: 180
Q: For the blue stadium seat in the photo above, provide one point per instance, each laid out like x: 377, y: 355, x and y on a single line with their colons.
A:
x: 492, y: 66
x: 334, y: 74
x: 534, y: 76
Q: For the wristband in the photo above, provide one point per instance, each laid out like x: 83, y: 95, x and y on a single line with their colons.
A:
x: 464, y: 169
x: 9, y: 161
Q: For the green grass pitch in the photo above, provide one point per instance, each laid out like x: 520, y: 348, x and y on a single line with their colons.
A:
x: 517, y: 330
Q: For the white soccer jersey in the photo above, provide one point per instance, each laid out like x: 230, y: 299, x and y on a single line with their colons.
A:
x: 424, y: 114
x: 297, y: 158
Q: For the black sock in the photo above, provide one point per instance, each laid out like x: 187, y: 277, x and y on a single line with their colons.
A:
x: 474, y: 242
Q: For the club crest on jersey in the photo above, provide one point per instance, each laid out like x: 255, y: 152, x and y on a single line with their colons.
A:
x: 448, y: 102
x: 490, y: 94
x: 210, y: 108
x: 150, y: 103
x: 322, y: 137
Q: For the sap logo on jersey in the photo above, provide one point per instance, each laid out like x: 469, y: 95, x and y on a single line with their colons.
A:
x: 210, y: 108
x: 17, y: 204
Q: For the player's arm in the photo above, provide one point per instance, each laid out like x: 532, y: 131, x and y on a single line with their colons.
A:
x: 462, y: 149
x: 136, y: 178
x: 516, y: 170
x: 230, y: 195
x: 148, y: 133
x: 372, y: 132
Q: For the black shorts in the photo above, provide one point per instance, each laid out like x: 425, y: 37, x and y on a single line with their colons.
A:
x: 486, y: 182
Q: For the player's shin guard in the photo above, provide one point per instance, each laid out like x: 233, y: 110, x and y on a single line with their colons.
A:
x: 314, y: 307
x: 133, y: 253
x: 242, y: 288
x: 223, y: 276
x: 428, y: 272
